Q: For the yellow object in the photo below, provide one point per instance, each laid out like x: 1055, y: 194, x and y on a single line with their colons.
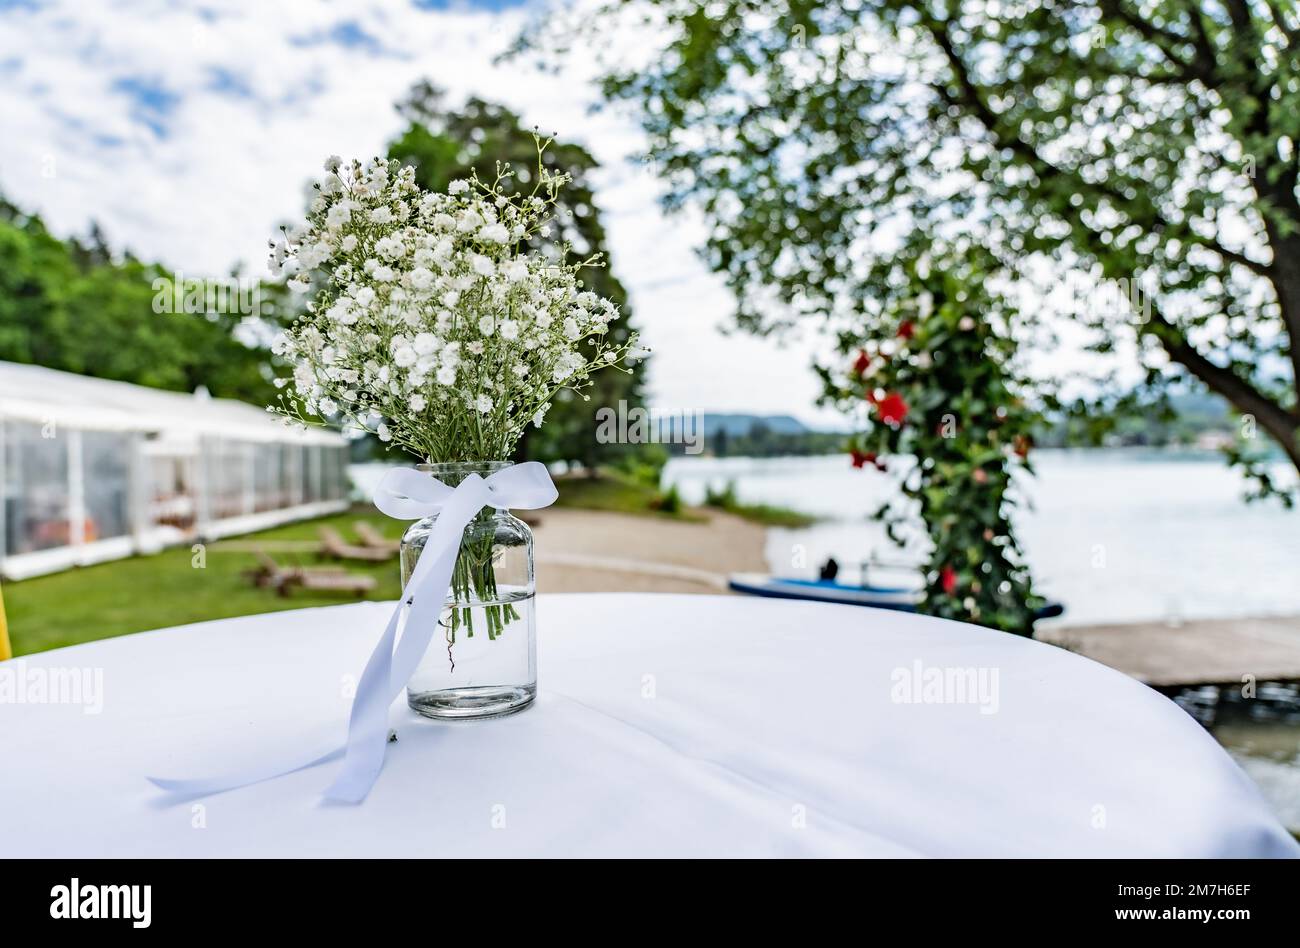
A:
x: 5, y: 650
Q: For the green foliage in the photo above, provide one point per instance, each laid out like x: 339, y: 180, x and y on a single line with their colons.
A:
x: 69, y: 306
x: 1257, y: 466
x: 645, y: 466
x: 1153, y: 144
x: 722, y: 497
x: 936, y: 387
x: 770, y: 515
x: 443, y: 144
x: 669, y: 501
x: 615, y: 492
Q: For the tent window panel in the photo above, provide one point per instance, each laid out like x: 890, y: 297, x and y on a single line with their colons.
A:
x: 304, y: 475
x: 36, y: 489
x: 227, y: 467
x: 171, y: 492
x: 326, y: 473
x: 267, y: 486
x: 333, y: 474
x: 290, y: 458
x: 106, y: 480
x: 313, y: 476
x: 341, y: 463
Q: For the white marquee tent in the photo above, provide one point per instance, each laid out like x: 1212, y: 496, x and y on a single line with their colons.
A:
x: 92, y: 470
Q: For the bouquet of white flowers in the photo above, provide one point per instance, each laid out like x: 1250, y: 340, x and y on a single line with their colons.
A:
x: 443, y: 323
x: 435, y: 323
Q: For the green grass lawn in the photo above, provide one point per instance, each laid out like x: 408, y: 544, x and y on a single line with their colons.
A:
x: 616, y: 493
x: 151, y: 592
x: 768, y: 515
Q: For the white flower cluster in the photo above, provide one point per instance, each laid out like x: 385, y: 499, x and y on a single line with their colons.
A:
x: 433, y: 323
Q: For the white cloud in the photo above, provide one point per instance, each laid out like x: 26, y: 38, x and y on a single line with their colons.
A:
x: 189, y: 131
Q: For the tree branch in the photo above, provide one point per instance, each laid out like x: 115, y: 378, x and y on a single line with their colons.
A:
x: 1198, y: 67
x: 1283, y: 425
x: 1275, y: 419
x: 973, y: 100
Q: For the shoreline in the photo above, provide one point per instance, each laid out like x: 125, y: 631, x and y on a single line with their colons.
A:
x: 600, y: 551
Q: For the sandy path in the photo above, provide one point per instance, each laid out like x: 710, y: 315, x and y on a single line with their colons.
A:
x: 594, y: 551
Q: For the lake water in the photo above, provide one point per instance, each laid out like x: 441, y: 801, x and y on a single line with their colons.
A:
x: 1116, y: 535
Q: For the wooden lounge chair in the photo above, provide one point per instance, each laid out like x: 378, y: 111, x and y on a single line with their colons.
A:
x: 372, y: 538
x: 326, y: 578
x: 268, y: 572
x: 335, y: 546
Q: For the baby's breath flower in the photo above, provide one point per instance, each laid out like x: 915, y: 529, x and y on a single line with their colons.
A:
x: 495, y: 234
x: 434, y: 309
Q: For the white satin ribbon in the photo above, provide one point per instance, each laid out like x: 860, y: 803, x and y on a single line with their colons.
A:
x: 404, y: 494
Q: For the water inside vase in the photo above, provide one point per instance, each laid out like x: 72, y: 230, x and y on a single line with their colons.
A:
x: 466, y: 672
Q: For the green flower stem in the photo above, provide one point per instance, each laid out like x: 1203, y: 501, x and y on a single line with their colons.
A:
x: 474, y: 582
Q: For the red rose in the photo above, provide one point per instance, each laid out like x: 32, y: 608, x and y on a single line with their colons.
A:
x: 948, y: 579
x: 892, y: 409
x: 862, y: 362
x: 906, y: 329
x: 863, y: 458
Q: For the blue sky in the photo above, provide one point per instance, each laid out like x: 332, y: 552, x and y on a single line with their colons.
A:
x: 189, y: 130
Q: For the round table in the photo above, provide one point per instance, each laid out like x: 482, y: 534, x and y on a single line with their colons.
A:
x: 664, y: 726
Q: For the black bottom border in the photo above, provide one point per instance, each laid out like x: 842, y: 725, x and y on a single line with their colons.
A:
x: 439, y: 897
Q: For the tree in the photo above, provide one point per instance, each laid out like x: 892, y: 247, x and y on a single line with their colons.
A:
x: 68, y: 306
x: 443, y: 144
x: 945, y: 410
x: 1154, y: 144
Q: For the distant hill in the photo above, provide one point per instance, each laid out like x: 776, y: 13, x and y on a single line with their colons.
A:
x: 1202, y: 408
x: 745, y: 435
x: 739, y: 424
x: 1194, y: 418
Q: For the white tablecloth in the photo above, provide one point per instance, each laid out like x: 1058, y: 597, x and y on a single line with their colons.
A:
x: 665, y: 726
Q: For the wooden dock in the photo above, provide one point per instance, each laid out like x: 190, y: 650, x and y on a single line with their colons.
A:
x: 1194, y: 652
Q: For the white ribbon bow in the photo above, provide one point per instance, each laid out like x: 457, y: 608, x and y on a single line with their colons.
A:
x: 403, y: 494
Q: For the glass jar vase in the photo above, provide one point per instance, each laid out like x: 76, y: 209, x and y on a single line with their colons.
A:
x: 482, y: 661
